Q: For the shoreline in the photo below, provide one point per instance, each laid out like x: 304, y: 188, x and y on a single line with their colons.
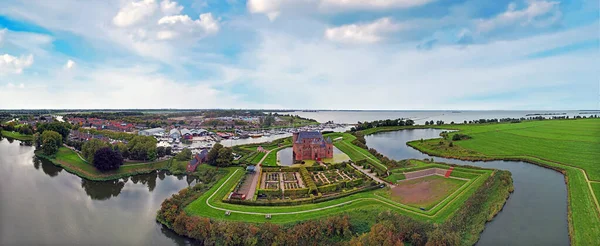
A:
x: 570, y: 172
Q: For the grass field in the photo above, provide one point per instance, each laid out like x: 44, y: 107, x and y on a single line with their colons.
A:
x: 354, y: 152
x: 70, y: 161
x: 271, y: 159
x: 572, y: 146
x: 210, y: 203
x: 425, y: 192
x: 257, y: 158
x: 17, y: 136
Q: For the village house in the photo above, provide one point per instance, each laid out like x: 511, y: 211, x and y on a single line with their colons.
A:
x: 152, y: 132
x: 310, y: 145
x: 197, y: 160
x: 174, y: 133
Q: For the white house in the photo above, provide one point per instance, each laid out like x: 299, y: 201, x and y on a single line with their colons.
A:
x: 152, y: 132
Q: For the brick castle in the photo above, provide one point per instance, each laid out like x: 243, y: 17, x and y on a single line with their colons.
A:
x: 311, y: 146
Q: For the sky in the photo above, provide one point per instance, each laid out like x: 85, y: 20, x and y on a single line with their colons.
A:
x: 300, y: 54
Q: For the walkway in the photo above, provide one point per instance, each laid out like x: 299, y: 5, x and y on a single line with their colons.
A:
x: 255, y: 176
x: 377, y: 198
x: 373, y: 176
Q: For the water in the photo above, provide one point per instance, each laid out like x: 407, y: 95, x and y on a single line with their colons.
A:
x: 535, y: 214
x: 44, y: 204
x: 263, y: 139
x: 351, y: 117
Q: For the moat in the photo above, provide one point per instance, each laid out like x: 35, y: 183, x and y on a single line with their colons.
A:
x: 53, y: 206
x: 535, y: 214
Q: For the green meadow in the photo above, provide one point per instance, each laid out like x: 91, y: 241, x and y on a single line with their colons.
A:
x: 16, y: 135
x: 70, y: 161
x: 211, y: 205
x: 571, y: 146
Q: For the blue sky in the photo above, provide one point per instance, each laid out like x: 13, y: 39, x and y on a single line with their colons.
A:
x: 312, y: 54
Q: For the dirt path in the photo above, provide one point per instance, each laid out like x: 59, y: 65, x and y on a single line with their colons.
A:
x: 255, y: 176
x: 373, y: 176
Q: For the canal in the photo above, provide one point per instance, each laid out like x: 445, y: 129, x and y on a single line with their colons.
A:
x: 535, y: 214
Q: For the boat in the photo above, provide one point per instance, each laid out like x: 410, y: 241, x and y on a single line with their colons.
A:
x: 255, y: 135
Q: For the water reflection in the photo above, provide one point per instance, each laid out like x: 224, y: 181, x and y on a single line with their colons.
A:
x: 55, y: 207
x: 48, y: 168
x: 102, y: 190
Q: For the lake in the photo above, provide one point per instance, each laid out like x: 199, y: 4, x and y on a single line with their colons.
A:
x: 535, y: 214
x: 420, y: 116
x: 44, y: 204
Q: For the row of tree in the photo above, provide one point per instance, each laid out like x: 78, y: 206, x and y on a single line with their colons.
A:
x: 380, y: 123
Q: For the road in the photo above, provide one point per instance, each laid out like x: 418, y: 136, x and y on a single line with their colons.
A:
x: 252, y: 190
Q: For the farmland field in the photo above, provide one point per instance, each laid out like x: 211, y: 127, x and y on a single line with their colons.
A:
x: 569, y: 145
x: 426, y: 191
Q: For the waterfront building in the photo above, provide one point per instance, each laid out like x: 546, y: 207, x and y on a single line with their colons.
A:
x: 310, y: 145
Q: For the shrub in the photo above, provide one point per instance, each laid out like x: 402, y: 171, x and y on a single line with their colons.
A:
x: 296, y: 192
x: 308, y: 181
x: 459, y: 136
x: 329, y: 188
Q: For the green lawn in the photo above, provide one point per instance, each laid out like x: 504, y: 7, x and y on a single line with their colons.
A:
x: 17, y: 136
x: 69, y: 160
x: 354, y: 152
x: 569, y: 145
x: 364, y: 200
x: 271, y: 159
x: 257, y: 158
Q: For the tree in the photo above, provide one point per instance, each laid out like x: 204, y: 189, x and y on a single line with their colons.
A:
x: 63, y: 128
x: 51, y: 141
x: 106, y: 159
x: 213, y: 154
x: 168, y: 150
x: 122, y: 148
x: 184, y: 155
x: 225, y: 157
x: 160, y: 151
x: 142, y: 148
x: 89, y: 148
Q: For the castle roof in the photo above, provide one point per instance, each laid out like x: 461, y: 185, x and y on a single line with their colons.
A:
x: 309, y: 135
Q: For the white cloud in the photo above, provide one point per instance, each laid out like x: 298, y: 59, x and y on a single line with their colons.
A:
x: 177, y: 26
x: 538, y: 13
x: 363, y: 33
x: 120, y: 87
x: 372, y: 4
x: 134, y: 12
x: 69, y: 65
x: 383, y: 74
x: 170, y: 8
x: 14, y: 65
x: 273, y: 8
